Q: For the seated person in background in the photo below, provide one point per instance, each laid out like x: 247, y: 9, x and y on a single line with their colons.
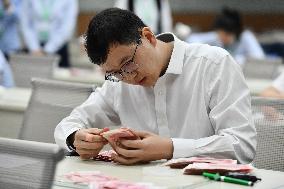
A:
x: 276, y: 90
x: 6, y: 76
x: 180, y: 99
x: 229, y: 34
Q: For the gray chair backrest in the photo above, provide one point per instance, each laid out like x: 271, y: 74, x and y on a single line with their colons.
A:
x: 262, y: 68
x: 50, y: 102
x: 24, y: 67
x: 27, y: 164
x: 268, y: 117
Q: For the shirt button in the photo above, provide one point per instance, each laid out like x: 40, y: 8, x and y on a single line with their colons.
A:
x: 160, y: 93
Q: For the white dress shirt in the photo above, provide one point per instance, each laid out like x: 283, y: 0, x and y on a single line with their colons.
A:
x: 57, y: 18
x: 278, y: 83
x: 246, y: 47
x: 147, y: 10
x: 202, y: 102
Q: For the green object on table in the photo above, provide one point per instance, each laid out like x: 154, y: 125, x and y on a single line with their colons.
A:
x: 218, y: 177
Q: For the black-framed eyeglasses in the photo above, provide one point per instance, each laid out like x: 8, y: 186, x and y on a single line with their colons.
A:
x: 127, y: 68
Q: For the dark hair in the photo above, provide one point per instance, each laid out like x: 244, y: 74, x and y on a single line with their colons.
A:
x: 230, y: 21
x: 110, y: 27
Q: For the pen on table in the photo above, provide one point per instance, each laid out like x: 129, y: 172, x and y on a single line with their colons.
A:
x: 218, y: 177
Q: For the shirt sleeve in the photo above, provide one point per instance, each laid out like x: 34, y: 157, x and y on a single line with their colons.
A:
x: 278, y: 83
x: 96, y: 112
x: 251, y: 46
x: 63, y: 28
x: 230, y: 116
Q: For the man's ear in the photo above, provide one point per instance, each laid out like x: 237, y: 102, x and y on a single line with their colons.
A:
x: 149, y: 35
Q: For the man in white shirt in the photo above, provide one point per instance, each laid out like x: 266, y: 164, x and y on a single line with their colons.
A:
x: 181, y: 99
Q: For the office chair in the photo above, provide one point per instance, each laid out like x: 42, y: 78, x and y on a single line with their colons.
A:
x: 27, y: 164
x: 268, y: 114
x: 24, y: 67
x: 262, y: 68
x: 50, y: 102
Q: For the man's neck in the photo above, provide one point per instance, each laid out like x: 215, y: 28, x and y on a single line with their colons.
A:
x: 166, y: 52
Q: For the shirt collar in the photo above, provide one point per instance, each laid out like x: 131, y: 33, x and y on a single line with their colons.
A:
x: 177, y: 58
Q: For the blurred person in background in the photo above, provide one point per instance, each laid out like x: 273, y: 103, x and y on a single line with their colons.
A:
x: 9, y: 31
x: 6, y: 76
x: 276, y: 90
x: 154, y: 13
x: 229, y: 34
x: 48, y: 25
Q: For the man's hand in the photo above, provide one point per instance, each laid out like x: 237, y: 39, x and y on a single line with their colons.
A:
x: 151, y: 147
x: 88, y: 142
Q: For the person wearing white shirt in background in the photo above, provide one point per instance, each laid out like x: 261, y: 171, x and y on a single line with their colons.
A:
x: 6, y: 76
x: 229, y: 34
x: 9, y: 26
x: 276, y: 90
x: 48, y: 25
x: 181, y: 99
x: 154, y: 13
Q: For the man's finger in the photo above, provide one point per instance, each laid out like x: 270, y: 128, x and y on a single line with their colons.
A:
x: 128, y: 153
x: 97, y: 131
x: 82, y: 151
x: 88, y: 145
x: 136, y: 144
x: 141, y: 134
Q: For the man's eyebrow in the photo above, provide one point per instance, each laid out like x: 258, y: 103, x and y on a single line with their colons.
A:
x: 122, y: 61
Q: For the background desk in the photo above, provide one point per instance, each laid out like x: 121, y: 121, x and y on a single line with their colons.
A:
x: 13, y: 103
x: 175, y: 178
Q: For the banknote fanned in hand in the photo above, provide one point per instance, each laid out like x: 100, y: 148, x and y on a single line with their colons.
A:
x: 117, y: 134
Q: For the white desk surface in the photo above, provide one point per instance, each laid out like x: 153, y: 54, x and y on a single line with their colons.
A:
x: 172, y: 179
x: 15, y: 99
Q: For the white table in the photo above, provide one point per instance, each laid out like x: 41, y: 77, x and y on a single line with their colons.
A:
x: 13, y: 103
x: 172, y: 179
